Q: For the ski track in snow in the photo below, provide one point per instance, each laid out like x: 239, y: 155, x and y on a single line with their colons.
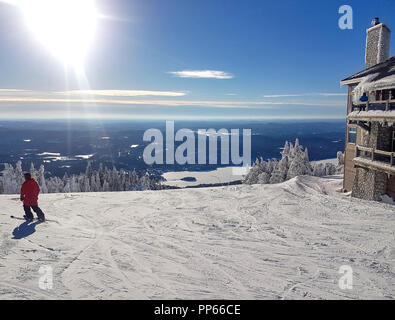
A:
x: 284, y: 241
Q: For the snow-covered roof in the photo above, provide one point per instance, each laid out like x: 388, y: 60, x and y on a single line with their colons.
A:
x: 378, y: 77
x: 373, y: 82
x: 382, y: 70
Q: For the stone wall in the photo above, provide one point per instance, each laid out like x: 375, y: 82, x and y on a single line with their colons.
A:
x: 379, y: 137
x: 369, y: 184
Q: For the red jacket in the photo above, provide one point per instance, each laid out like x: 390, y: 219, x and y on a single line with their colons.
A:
x: 29, y: 192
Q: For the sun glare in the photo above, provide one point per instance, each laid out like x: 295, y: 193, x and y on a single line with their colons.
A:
x: 65, y: 27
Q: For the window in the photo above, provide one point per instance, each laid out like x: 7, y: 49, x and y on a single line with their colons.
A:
x: 352, y: 135
x: 385, y: 95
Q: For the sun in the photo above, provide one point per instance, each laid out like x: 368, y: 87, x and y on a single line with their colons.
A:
x: 65, y: 27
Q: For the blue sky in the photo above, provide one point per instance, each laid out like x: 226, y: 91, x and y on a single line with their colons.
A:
x: 250, y: 60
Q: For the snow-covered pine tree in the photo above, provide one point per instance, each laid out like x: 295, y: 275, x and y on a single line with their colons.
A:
x: 10, y: 180
x: 286, y: 149
x: 280, y: 172
x: 299, y: 162
x: 260, y: 171
x: 318, y: 169
x: 340, y: 158
x: 106, y: 179
x: 340, y: 163
x: 106, y: 186
x: 41, y: 180
x: 263, y: 178
x: 294, y: 162
x: 330, y: 169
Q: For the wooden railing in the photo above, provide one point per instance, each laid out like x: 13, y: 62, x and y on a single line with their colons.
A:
x: 373, y: 152
x: 366, y: 106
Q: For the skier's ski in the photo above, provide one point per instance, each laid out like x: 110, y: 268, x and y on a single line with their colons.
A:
x: 19, y: 218
x: 34, y: 219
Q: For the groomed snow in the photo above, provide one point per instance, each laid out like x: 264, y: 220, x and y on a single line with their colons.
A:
x: 284, y: 241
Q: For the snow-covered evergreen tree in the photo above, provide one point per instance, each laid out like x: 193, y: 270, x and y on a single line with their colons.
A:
x: 263, y: 178
x: 340, y: 158
x: 299, y: 164
x: 330, y: 169
x: 41, y: 180
x: 280, y: 172
x: 340, y: 163
x: 260, y: 167
x: 294, y: 162
x: 319, y: 170
x: 103, y: 179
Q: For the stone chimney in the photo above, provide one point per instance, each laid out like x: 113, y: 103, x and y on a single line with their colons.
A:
x: 377, y: 43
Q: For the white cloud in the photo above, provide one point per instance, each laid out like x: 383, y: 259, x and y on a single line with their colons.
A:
x: 304, y: 95
x: 332, y: 94
x: 90, y: 93
x: 13, y: 91
x: 170, y: 103
x: 123, y: 93
x: 282, y: 95
x: 128, y: 99
x: 202, y: 74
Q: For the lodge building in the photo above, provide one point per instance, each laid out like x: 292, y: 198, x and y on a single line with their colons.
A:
x: 369, y: 163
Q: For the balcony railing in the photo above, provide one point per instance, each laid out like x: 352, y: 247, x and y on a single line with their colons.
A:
x: 379, y: 159
x: 383, y: 105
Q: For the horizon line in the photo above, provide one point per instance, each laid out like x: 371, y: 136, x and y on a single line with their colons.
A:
x: 177, y: 119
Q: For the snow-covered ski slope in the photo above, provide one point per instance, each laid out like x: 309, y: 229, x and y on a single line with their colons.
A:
x: 284, y: 241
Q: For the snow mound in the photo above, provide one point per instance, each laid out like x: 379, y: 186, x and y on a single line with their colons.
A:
x: 311, y: 184
x: 283, y: 241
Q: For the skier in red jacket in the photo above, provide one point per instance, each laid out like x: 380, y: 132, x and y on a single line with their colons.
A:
x: 29, y: 196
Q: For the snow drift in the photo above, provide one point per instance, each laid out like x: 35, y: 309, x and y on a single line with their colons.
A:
x: 282, y: 241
